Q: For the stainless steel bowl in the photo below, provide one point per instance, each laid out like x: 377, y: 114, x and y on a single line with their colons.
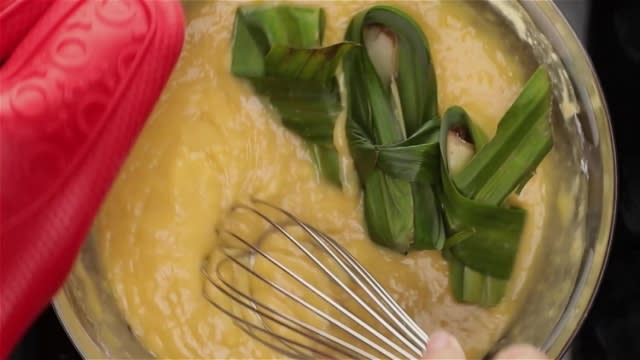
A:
x: 562, y: 286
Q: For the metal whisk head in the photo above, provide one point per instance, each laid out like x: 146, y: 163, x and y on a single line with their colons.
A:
x: 298, y: 291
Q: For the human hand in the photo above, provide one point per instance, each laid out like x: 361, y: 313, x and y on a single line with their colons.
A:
x: 443, y: 345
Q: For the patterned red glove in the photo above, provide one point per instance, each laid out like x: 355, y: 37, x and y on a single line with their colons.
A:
x: 78, y: 80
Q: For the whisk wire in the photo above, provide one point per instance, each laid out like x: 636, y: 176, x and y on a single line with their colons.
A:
x: 416, y: 333
x: 280, y: 318
x: 322, y: 241
x: 411, y: 342
x: 324, y: 297
x: 406, y: 339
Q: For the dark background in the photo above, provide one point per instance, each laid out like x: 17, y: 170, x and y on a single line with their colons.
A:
x: 611, y: 33
x: 612, y: 329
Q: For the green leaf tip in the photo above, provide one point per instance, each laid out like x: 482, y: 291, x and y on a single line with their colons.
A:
x: 278, y: 49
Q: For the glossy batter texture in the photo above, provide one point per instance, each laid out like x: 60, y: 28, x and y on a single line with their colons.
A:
x: 211, y: 143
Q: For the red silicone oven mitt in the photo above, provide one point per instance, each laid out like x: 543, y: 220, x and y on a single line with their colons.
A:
x: 78, y: 80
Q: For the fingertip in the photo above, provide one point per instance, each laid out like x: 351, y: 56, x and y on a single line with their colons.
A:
x: 443, y: 345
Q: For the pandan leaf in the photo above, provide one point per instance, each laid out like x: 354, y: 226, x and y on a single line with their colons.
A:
x: 414, y: 159
x: 522, y: 140
x: 492, y: 247
x: 484, y: 233
x: 470, y: 286
x: 326, y: 158
x: 392, y: 128
x: 413, y: 197
x: 387, y: 201
x: 428, y: 224
x: 315, y: 64
x: 278, y: 49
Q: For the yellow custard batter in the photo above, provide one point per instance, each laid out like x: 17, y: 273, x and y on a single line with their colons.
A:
x: 211, y: 143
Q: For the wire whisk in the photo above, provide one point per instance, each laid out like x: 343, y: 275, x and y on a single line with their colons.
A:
x: 300, y: 292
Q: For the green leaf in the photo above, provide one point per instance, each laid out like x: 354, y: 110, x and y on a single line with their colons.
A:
x: 428, y: 224
x: 305, y: 107
x: 522, y: 140
x: 493, y: 243
x: 387, y: 201
x: 246, y: 48
x: 467, y: 285
x: 456, y: 117
x: 494, y: 231
x: 326, y: 158
x: 315, y: 64
x: 392, y: 129
x: 473, y: 287
x: 413, y: 159
x: 258, y: 28
x: 485, y: 233
x: 457, y: 238
x: 416, y: 76
x: 277, y: 48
